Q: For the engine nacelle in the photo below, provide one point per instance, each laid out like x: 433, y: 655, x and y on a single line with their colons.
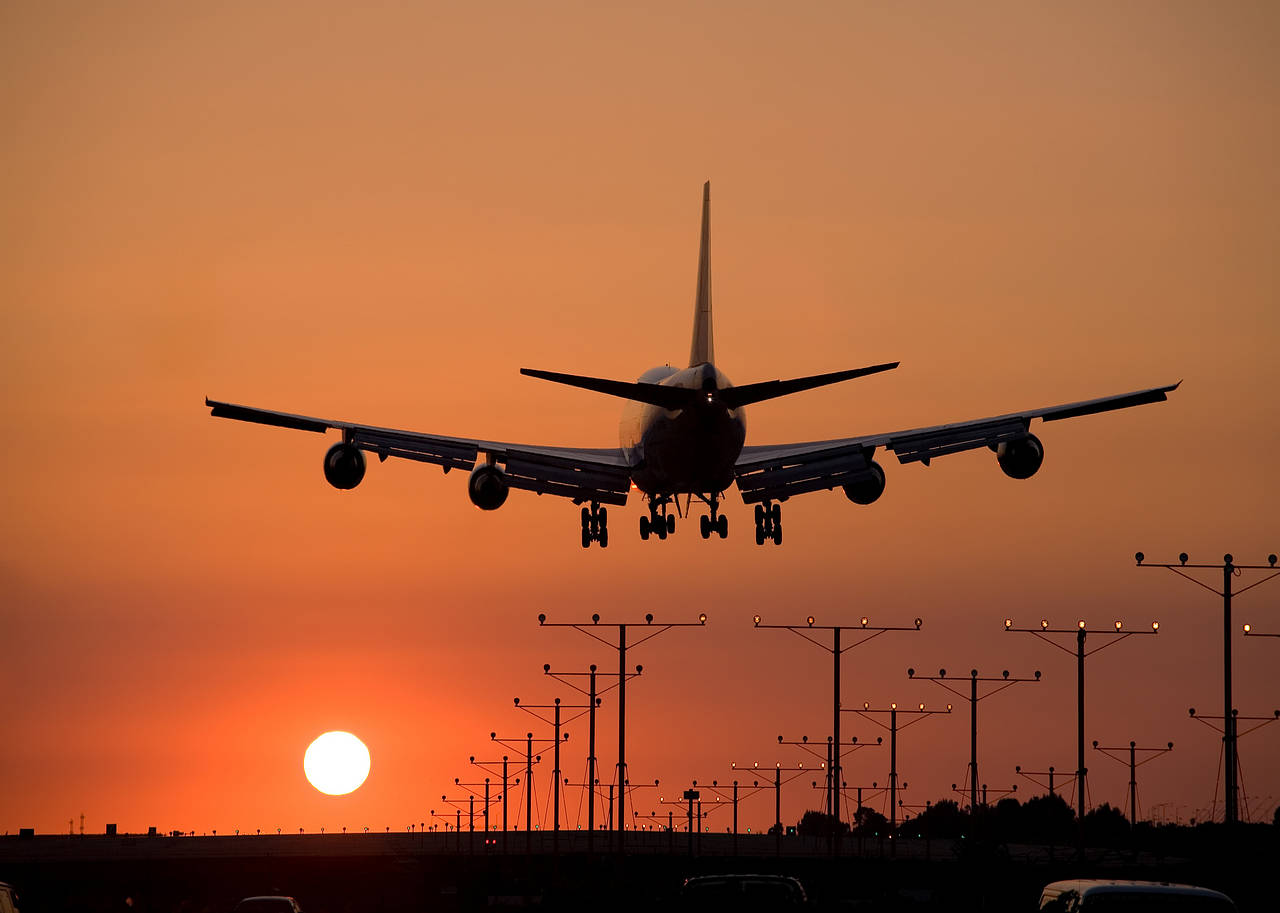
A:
x: 344, y: 466
x: 487, y: 487
x: 1020, y: 458
x: 868, y: 488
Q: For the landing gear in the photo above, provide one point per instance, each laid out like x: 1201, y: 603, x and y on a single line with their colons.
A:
x: 768, y: 523
x: 659, y: 523
x: 716, y: 523
x: 595, y: 525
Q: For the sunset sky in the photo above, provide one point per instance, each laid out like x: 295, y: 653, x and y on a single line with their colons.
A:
x: 380, y: 212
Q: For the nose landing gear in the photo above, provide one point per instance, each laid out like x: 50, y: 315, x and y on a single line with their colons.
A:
x: 595, y: 525
x: 768, y: 523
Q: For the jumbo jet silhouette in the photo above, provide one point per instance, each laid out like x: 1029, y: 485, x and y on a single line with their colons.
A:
x: 683, y: 433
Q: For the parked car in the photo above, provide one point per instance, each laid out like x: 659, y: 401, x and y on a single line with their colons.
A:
x: 737, y: 892
x: 1096, y: 895
x: 268, y: 903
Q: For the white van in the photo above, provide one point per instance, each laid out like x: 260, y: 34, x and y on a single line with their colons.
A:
x: 1095, y: 895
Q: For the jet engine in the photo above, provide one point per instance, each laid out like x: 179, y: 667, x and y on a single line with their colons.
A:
x: 868, y: 487
x: 1021, y: 457
x: 487, y: 487
x: 344, y: 466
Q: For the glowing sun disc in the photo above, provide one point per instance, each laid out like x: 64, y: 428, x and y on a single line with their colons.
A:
x: 336, y: 763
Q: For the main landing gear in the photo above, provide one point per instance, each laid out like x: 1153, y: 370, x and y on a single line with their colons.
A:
x: 595, y: 525
x: 717, y: 523
x: 659, y: 523
x: 768, y: 523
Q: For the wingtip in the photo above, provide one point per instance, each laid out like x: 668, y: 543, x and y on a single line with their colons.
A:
x: 706, y: 192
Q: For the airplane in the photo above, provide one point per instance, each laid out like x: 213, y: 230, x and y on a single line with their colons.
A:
x: 683, y: 433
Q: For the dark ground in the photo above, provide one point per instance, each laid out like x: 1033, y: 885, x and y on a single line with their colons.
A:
x: 354, y: 873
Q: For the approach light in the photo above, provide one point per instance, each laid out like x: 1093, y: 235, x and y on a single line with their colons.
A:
x: 922, y: 705
x: 648, y: 618
x: 1138, y: 556
x: 864, y: 621
x: 546, y: 667
x: 1008, y: 623
x: 1037, y: 675
x: 1081, y: 624
x: 911, y: 673
x: 918, y: 623
x: 810, y: 620
x: 542, y: 618
x: 1155, y: 626
x: 517, y: 700
x: 893, y: 706
x: 755, y: 619
x: 1044, y: 623
x: 1271, y: 560
x: 948, y: 711
x: 866, y: 705
x: 1247, y: 628
x: 1182, y: 556
x: 702, y: 619
x: 1118, y: 624
x: 1006, y: 673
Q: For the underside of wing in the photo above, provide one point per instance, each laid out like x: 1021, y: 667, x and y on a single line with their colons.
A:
x: 778, y: 471
x: 580, y: 474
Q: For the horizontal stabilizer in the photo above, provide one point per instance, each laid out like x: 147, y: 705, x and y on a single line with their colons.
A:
x: 654, y: 394
x: 735, y: 397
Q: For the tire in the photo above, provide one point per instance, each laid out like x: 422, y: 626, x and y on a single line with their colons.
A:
x: 759, y: 534
x: 759, y: 515
x: 586, y: 539
x: 775, y: 514
x: 671, y: 523
x: 604, y: 519
x: 777, y: 533
x: 704, y: 527
x: 722, y: 526
x: 586, y: 518
x: 644, y: 528
x: 604, y: 538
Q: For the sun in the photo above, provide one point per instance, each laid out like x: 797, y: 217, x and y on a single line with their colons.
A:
x: 336, y: 763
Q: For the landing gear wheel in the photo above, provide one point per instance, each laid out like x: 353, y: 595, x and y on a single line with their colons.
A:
x: 704, y: 526
x: 759, y: 534
x: 586, y: 538
x: 775, y: 514
x: 603, y: 538
x: 644, y: 528
x: 722, y: 526
x: 777, y: 534
x: 671, y: 523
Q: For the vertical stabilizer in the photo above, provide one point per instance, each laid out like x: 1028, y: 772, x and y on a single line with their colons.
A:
x: 702, y: 350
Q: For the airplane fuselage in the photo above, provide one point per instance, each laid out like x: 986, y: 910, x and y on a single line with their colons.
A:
x: 684, y: 451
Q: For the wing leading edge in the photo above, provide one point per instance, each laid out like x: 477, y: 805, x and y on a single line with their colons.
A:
x: 778, y: 471
x: 580, y: 474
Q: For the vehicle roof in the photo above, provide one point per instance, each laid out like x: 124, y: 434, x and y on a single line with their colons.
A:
x: 1119, y: 886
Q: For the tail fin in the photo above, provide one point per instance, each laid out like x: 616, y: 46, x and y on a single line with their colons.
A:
x: 702, y: 350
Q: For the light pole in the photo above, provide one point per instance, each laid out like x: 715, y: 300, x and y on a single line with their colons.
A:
x: 1001, y: 684
x: 593, y: 701
x: 778, y: 781
x: 487, y: 767
x: 1081, y: 632
x: 1229, y: 570
x: 1032, y: 774
x: 1213, y: 723
x: 473, y: 790
x: 892, y: 710
x: 868, y: 632
x: 1134, y: 764
x: 529, y: 761
x: 621, y: 646
x: 555, y: 722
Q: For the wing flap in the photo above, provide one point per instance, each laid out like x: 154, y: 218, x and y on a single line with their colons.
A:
x: 925, y: 446
x: 446, y: 453
x: 778, y: 478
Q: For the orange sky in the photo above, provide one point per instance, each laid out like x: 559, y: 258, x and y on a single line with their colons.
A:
x: 382, y: 213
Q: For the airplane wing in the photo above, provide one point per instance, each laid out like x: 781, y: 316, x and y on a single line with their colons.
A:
x: 777, y: 471
x: 579, y: 474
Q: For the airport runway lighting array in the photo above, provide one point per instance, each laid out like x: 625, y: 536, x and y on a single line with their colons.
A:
x: 487, y: 767
x: 1230, y: 570
x: 1000, y: 684
x: 1216, y: 724
x: 1032, y: 774
x: 592, y: 694
x: 1134, y: 764
x: 864, y: 632
x: 556, y: 722
x: 529, y: 760
x: 919, y: 713
x: 651, y: 630
x: 1081, y: 633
